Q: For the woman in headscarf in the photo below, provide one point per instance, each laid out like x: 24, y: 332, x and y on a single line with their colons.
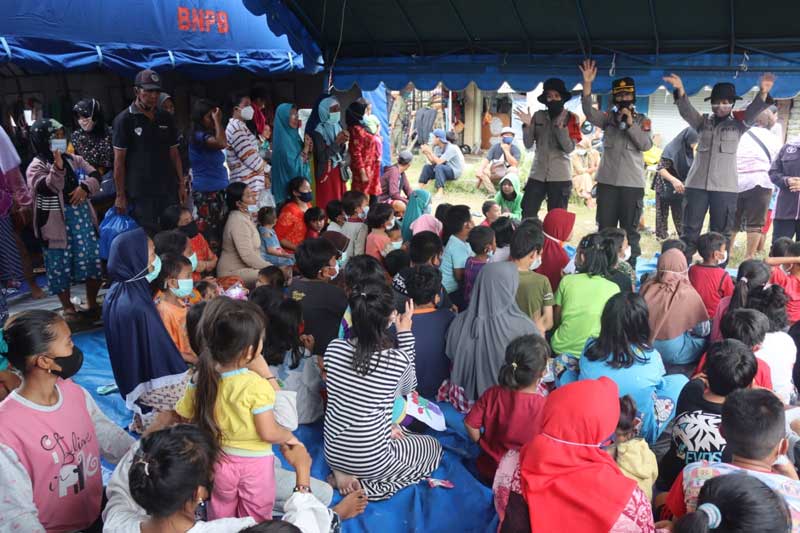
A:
x: 364, y: 156
x: 330, y: 146
x: 673, y: 169
x: 477, y: 338
x: 568, y: 481
x: 148, y: 368
x: 92, y: 140
x: 419, y: 204
x: 289, y: 151
x: 63, y: 217
x: 558, y: 225
x: 679, y: 323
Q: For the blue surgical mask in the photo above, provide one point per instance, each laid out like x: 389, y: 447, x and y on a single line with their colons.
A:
x: 185, y: 287
x: 150, y: 276
x: 427, y: 210
x: 508, y: 140
x: 396, y: 245
x: 363, y: 214
x: 342, y: 260
x: 334, y: 117
x: 193, y: 260
x: 252, y: 208
x: 305, y: 197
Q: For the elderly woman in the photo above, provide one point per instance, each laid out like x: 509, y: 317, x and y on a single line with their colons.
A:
x: 149, y: 370
x: 679, y: 323
x: 330, y: 150
x: 241, y: 242
x: 63, y: 218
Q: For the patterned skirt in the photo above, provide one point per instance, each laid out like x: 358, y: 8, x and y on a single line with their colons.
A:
x: 80, y: 260
x: 10, y: 266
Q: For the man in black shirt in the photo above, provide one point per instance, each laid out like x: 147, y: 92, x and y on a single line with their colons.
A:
x: 147, y: 165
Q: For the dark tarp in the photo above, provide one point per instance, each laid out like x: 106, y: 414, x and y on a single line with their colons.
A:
x: 525, y: 41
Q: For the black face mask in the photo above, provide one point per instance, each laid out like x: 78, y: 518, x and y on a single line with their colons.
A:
x: 623, y: 104
x: 70, y: 364
x: 190, y: 229
x: 555, y: 107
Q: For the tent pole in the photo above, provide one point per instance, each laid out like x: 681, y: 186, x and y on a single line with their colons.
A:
x: 654, y: 21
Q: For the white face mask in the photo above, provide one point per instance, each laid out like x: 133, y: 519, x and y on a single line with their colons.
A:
x: 627, y: 254
x: 570, y: 268
x: 247, y: 112
x: 389, y: 226
x: 536, y: 263
x: 396, y: 245
x: 724, y: 258
x: 722, y: 110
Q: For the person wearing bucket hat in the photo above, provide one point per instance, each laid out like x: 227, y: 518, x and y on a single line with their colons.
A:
x: 148, y: 172
x: 502, y: 158
x: 396, y: 189
x: 712, y: 184
x: 554, y: 131
x: 620, y: 176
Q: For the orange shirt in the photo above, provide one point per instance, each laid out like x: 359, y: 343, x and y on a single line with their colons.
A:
x: 174, y: 319
x: 203, y: 251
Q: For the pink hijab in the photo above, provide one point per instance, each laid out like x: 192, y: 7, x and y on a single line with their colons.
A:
x: 674, y: 305
x: 427, y: 223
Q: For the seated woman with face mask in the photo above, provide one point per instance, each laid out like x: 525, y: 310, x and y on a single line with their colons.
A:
x: 52, y: 482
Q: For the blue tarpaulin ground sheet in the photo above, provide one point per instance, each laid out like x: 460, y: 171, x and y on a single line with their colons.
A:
x: 466, y: 508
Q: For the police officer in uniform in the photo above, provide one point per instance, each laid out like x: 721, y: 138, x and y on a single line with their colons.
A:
x: 620, y: 177
x: 551, y: 173
x: 712, y: 183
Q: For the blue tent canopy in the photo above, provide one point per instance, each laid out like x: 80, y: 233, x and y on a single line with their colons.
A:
x: 202, y: 38
x: 523, y: 73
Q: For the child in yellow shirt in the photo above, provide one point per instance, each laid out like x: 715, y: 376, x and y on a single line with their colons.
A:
x: 231, y: 401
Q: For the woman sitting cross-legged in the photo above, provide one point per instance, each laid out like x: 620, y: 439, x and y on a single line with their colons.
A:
x: 364, y: 375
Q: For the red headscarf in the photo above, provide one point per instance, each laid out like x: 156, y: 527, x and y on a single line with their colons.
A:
x: 569, y: 482
x: 674, y: 306
x: 557, y: 225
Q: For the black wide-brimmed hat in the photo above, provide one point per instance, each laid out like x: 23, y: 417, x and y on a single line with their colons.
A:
x: 723, y: 91
x: 554, y: 84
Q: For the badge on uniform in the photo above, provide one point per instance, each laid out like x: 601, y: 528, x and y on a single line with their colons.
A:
x: 138, y: 131
x: 791, y: 149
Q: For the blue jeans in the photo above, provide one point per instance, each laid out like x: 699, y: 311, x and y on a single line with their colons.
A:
x: 682, y: 350
x: 441, y: 173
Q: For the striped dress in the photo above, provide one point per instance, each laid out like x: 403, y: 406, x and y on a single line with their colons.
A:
x: 358, y: 421
x: 244, y: 162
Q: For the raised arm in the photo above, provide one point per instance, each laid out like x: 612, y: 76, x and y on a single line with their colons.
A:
x: 589, y: 71
x: 760, y: 102
x: 687, y: 111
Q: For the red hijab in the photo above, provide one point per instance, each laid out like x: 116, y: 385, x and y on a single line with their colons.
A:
x: 569, y: 482
x: 557, y: 226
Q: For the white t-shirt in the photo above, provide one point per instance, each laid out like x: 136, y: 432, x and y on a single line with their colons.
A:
x: 752, y: 161
x: 779, y: 352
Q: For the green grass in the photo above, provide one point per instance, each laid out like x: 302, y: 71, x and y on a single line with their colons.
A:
x: 462, y: 191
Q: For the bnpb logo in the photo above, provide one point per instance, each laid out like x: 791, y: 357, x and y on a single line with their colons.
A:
x: 202, y: 20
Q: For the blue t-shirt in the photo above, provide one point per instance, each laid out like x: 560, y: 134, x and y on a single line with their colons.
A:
x: 455, y: 256
x: 208, y: 169
x: 640, y: 381
x: 432, y: 365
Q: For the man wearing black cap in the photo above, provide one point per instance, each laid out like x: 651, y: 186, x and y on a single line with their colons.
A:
x: 712, y: 183
x: 620, y: 177
x: 551, y: 173
x: 147, y: 165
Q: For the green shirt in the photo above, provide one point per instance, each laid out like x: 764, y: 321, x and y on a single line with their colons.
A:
x: 582, y: 299
x: 534, y: 293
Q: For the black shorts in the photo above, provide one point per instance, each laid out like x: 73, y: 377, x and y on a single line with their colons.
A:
x: 751, y: 209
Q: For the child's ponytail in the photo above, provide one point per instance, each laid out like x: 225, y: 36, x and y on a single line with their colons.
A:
x: 752, y: 276
x: 206, y: 380
x: 526, y: 359
x: 371, y: 305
